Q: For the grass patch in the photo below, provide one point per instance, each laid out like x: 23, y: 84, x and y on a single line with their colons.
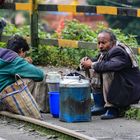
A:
x: 48, y: 132
x: 133, y: 113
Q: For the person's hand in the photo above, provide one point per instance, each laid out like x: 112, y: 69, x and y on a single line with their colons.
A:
x: 81, y: 61
x: 84, y: 59
x: 87, y: 64
x: 28, y: 59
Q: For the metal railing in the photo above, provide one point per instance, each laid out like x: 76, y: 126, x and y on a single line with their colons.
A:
x: 34, y: 8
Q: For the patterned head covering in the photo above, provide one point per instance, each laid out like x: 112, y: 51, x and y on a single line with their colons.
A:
x: 130, y: 53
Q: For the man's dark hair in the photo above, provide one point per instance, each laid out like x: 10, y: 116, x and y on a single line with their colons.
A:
x: 112, y: 35
x: 17, y: 43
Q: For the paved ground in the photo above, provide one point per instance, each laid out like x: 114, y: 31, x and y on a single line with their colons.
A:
x: 116, y: 129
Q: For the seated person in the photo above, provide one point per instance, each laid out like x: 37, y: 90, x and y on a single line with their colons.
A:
x: 116, y: 76
x: 13, y: 61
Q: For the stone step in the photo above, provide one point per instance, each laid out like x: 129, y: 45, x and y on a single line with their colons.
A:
x: 136, y: 105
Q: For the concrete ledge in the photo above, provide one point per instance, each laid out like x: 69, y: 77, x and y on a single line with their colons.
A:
x: 136, y: 105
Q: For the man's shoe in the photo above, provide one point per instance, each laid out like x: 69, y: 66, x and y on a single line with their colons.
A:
x: 97, y: 110
x: 111, y: 113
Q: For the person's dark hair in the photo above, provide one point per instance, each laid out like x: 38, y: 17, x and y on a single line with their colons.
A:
x: 2, y: 24
x: 17, y: 43
x: 112, y: 35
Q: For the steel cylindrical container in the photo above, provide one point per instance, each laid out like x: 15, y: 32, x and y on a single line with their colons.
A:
x: 75, y: 100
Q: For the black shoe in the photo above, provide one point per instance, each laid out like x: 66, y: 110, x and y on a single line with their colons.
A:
x: 97, y: 110
x: 111, y: 113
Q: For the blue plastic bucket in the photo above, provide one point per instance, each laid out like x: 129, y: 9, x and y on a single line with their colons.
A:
x: 54, y: 103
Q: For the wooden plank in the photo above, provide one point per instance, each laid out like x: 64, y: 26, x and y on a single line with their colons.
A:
x: 4, y: 38
x: 67, y: 43
x: 138, y: 51
x: 87, y: 45
x: 106, y: 10
x: 138, y: 13
x: 67, y: 8
x: 8, y: 6
x: 43, y: 7
x: 51, y: 42
x: 86, y: 9
x: 24, y: 6
x: 126, y: 12
x: 110, y: 10
x: 48, y: 125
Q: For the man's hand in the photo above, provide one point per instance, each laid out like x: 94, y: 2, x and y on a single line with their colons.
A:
x: 87, y: 64
x: 81, y: 61
x: 28, y: 59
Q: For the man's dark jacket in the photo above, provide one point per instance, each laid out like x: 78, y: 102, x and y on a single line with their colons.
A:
x: 125, y: 87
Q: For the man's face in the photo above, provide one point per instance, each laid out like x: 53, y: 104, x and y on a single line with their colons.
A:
x: 22, y: 53
x: 104, y: 42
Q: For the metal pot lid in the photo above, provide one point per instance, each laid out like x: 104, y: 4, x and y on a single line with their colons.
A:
x: 74, y: 83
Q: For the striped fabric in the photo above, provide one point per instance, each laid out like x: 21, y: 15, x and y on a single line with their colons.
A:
x: 19, y: 100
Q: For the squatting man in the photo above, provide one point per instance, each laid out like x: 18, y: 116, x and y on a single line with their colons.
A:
x: 115, y: 76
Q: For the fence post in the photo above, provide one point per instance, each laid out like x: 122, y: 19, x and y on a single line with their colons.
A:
x: 34, y: 24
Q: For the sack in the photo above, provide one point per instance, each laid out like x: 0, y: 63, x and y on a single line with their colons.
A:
x: 19, y: 100
x: 43, y: 98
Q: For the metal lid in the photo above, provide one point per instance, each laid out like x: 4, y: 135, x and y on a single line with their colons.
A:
x: 74, y: 83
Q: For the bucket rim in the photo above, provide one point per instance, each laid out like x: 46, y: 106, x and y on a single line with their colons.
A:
x: 53, y: 92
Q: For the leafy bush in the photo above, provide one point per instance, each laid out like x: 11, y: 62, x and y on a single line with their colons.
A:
x: 50, y: 55
x: 73, y: 30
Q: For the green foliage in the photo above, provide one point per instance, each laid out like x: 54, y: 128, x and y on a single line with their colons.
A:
x: 50, y: 55
x: 11, y: 29
x: 70, y: 57
x: 129, y: 39
x: 74, y: 30
x: 133, y: 113
x: 2, y: 45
